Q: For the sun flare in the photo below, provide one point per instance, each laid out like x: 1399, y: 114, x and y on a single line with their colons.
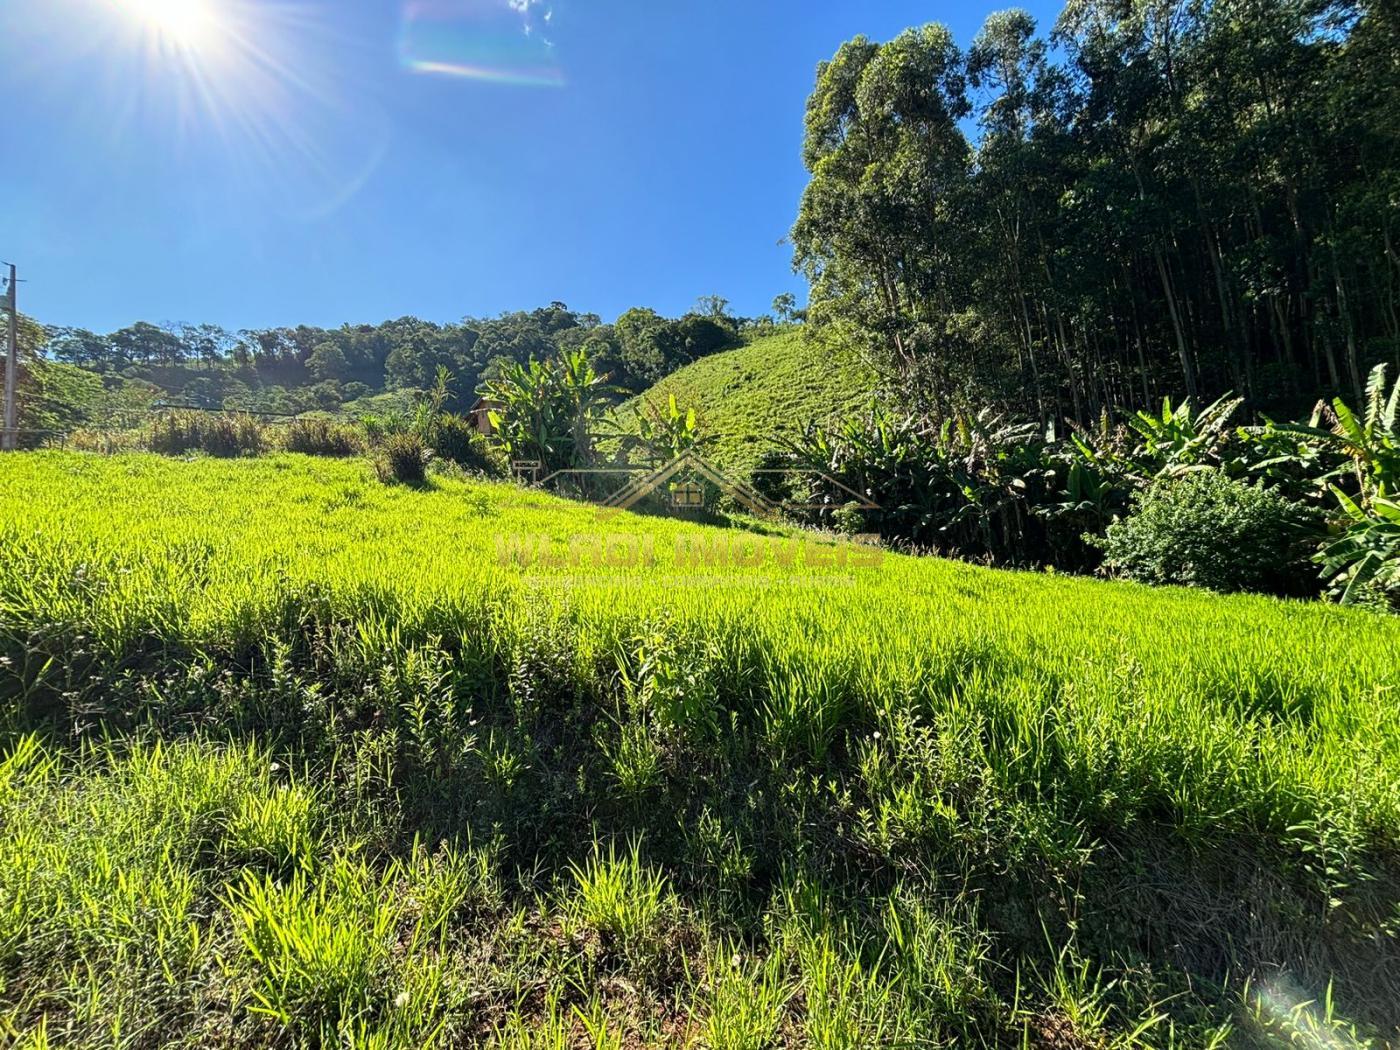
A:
x: 188, y: 24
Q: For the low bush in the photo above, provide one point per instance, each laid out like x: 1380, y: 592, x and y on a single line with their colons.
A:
x: 455, y: 440
x: 1205, y: 530
x: 775, y: 478
x: 403, y: 458
x: 322, y: 437
x: 217, y: 434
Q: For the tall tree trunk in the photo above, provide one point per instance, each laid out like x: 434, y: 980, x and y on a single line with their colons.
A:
x: 1188, y: 370
x: 1147, y: 398
x: 1348, y: 328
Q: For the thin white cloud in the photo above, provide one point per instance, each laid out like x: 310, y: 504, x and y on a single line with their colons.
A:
x: 537, y: 15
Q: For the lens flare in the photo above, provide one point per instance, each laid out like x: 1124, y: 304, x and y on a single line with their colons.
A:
x: 496, y: 41
x: 1282, y: 1009
x: 261, y: 105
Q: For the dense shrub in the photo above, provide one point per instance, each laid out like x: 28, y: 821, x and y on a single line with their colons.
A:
x: 778, y: 487
x: 454, y: 439
x: 966, y: 486
x: 217, y: 434
x: 403, y: 457
x: 1205, y: 530
x: 322, y: 437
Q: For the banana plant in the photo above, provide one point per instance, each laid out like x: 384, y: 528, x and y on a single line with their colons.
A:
x: 1092, y: 484
x: 1367, y: 443
x: 963, y: 484
x: 586, y: 394
x: 548, y: 408
x: 1179, y: 440
x: 670, y: 432
x: 1285, y: 456
x: 1364, y: 562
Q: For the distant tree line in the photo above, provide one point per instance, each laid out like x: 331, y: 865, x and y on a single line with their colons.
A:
x: 304, y: 367
x: 1161, y: 197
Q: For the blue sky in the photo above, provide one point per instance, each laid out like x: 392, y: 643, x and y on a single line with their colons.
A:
x: 326, y: 161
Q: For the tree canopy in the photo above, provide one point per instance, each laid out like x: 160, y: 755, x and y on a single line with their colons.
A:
x: 298, y: 368
x: 1160, y: 197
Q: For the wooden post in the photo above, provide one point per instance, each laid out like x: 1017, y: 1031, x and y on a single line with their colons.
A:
x: 12, y: 363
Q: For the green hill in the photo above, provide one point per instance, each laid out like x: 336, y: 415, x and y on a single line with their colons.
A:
x: 772, y: 387
x: 292, y: 758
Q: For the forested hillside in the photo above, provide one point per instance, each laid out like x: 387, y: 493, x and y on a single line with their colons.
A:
x: 304, y: 368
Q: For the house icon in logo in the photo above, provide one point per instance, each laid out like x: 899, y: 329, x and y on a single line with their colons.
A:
x: 690, y: 468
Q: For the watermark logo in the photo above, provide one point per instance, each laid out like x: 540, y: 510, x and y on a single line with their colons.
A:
x: 682, y: 480
x: 684, y: 486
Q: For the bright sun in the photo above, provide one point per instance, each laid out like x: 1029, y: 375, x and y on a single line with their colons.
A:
x: 189, y: 24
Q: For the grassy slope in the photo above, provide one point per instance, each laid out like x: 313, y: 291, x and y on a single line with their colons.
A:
x: 884, y: 789
x: 771, y: 387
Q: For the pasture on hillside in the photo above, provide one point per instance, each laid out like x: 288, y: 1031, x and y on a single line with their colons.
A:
x: 293, y: 758
x: 750, y: 398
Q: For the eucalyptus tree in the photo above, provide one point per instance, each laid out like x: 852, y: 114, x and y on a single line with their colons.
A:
x: 1018, y: 182
x: 878, y: 231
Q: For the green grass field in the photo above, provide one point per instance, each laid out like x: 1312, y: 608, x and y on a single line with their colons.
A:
x: 748, y: 397
x: 291, y: 758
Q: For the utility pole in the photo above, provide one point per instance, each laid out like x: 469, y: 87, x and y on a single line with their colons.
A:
x: 11, y: 363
